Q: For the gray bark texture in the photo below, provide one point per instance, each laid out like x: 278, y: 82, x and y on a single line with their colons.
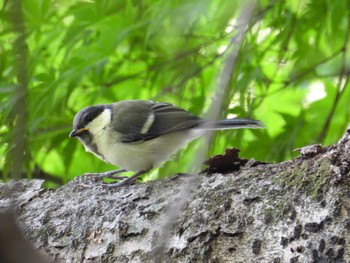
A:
x: 294, y: 211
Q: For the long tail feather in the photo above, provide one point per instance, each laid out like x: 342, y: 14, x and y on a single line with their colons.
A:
x: 234, y: 123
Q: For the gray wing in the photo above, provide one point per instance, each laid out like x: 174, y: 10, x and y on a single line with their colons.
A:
x: 140, y: 120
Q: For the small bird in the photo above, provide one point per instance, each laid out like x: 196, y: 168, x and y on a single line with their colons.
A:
x: 138, y: 135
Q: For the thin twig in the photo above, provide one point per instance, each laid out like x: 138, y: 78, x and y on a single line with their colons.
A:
x: 342, y: 84
x: 224, y: 82
x: 176, y: 58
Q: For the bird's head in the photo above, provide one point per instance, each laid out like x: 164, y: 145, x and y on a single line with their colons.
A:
x: 89, y: 120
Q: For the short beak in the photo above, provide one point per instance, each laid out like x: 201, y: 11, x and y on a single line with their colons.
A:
x: 77, y: 132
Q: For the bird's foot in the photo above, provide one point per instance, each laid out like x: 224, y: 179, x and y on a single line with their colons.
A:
x: 89, y: 179
x: 93, y: 178
x: 118, y: 184
x: 127, y: 181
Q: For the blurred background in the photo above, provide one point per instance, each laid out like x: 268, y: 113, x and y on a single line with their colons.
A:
x: 56, y: 57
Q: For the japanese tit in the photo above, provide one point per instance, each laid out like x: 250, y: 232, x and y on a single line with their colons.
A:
x: 138, y: 135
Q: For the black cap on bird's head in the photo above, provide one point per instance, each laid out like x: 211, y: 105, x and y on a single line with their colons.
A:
x: 83, y: 118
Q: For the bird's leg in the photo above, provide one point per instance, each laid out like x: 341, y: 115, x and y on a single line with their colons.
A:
x: 128, y: 180
x: 110, y: 174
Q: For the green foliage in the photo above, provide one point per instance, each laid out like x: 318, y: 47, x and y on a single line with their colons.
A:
x: 291, y: 72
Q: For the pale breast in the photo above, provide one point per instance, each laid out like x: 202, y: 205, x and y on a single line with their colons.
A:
x: 142, y: 155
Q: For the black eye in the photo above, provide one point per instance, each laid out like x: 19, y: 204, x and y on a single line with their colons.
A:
x: 88, y: 118
x: 90, y: 113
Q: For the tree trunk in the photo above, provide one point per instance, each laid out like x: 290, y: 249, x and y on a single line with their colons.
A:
x: 294, y: 211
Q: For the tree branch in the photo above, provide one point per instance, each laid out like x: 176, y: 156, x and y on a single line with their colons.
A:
x: 294, y: 211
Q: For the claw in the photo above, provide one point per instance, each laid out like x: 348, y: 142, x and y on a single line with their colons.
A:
x: 97, y: 177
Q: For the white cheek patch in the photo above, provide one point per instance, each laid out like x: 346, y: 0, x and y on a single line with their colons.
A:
x: 100, y: 122
x: 148, y: 124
